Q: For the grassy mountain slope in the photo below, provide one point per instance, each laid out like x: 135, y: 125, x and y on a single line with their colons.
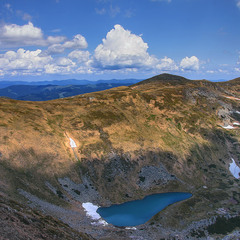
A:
x: 161, y: 135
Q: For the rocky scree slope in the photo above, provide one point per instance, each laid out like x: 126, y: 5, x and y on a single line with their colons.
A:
x: 164, y: 134
x: 20, y: 222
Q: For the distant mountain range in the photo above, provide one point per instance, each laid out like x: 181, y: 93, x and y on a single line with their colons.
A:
x: 4, y: 84
x: 48, y: 90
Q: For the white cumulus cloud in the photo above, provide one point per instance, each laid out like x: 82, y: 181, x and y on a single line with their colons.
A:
x: 23, y: 61
x: 55, y: 48
x: 55, y: 39
x: 59, y: 69
x: 167, y: 64
x: 64, y: 62
x: 190, y: 63
x: 80, y: 56
x: 78, y: 42
x: 25, y: 35
x: 122, y: 49
x: 52, y: 69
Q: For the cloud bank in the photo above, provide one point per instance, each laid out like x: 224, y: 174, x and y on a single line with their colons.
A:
x: 120, y: 51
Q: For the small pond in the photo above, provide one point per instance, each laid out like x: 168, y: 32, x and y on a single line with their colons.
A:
x: 137, y: 212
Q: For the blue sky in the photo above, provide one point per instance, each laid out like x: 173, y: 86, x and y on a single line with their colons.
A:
x: 104, y: 39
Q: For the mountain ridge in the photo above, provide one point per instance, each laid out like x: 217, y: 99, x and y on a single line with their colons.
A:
x: 45, y: 92
x: 4, y: 84
x: 50, y: 92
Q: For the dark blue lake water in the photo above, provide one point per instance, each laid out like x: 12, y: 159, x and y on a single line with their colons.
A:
x: 140, y: 211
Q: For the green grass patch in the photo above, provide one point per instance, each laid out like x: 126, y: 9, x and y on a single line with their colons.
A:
x: 152, y: 117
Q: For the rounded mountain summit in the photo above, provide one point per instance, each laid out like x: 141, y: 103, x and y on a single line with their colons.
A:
x: 165, y: 78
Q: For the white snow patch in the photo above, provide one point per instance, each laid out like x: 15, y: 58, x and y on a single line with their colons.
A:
x: 233, y: 98
x: 228, y: 127
x: 100, y: 222
x: 234, y: 169
x: 237, y: 112
x: 131, y: 228
x: 205, y: 187
x: 236, y: 123
x: 91, y: 211
x: 72, y: 143
x: 221, y: 211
